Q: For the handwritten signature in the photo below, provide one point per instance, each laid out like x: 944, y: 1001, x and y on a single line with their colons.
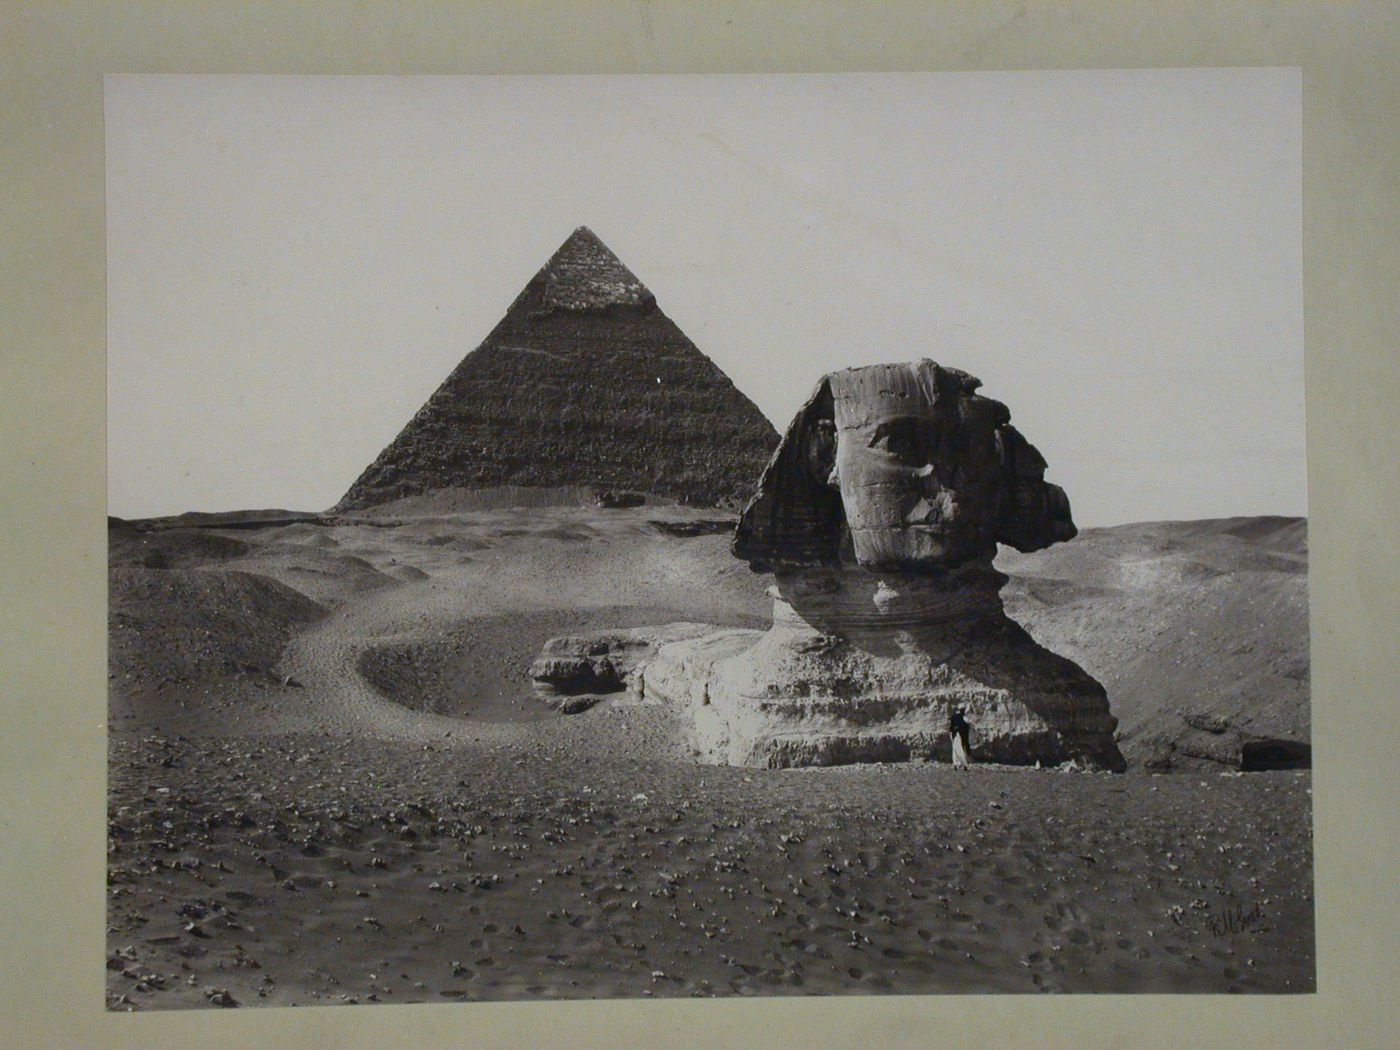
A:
x: 1235, y: 920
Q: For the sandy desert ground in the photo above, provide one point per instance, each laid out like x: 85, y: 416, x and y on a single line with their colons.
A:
x: 331, y: 782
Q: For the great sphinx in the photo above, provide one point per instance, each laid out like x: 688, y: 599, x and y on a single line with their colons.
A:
x: 879, y: 516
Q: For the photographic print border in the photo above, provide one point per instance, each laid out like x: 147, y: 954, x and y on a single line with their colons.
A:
x: 55, y: 627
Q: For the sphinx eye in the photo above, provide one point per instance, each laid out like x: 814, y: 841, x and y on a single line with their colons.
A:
x: 900, y: 438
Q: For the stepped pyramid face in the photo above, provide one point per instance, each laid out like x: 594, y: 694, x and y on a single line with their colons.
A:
x: 584, y: 382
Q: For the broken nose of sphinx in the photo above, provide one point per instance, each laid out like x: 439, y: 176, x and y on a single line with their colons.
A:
x: 932, y: 509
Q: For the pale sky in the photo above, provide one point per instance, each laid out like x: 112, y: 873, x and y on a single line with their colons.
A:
x: 296, y: 263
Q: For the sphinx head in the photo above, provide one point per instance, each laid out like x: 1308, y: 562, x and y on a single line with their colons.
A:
x: 900, y: 468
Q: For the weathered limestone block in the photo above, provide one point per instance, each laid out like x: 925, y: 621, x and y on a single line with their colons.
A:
x: 574, y: 672
x: 879, y: 515
x: 857, y: 692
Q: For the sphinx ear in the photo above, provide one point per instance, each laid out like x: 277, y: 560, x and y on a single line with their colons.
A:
x: 819, y: 451
x: 795, y: 517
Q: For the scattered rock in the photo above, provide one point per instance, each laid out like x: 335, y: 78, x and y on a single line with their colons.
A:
x: 1206, y: 722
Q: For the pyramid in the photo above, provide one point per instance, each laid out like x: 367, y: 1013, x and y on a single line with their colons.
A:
x: 583, y: 383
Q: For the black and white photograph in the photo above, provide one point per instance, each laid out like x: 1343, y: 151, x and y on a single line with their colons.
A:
x: 655, y: 536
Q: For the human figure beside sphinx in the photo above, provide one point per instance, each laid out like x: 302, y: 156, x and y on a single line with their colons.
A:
x: 879, y: 516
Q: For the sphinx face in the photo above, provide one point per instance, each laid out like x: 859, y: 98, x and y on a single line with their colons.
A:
x: 900, y: 468
x: 918, y: 463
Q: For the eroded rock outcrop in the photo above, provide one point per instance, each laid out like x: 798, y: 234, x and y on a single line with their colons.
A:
x: 879, y: 516
x: 574, y: 672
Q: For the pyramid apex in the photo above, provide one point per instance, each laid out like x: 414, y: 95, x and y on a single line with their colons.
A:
x: 584, y: 239
x: 584, y: 275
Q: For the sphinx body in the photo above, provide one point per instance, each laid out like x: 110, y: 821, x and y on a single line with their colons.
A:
x: 879, y: 516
